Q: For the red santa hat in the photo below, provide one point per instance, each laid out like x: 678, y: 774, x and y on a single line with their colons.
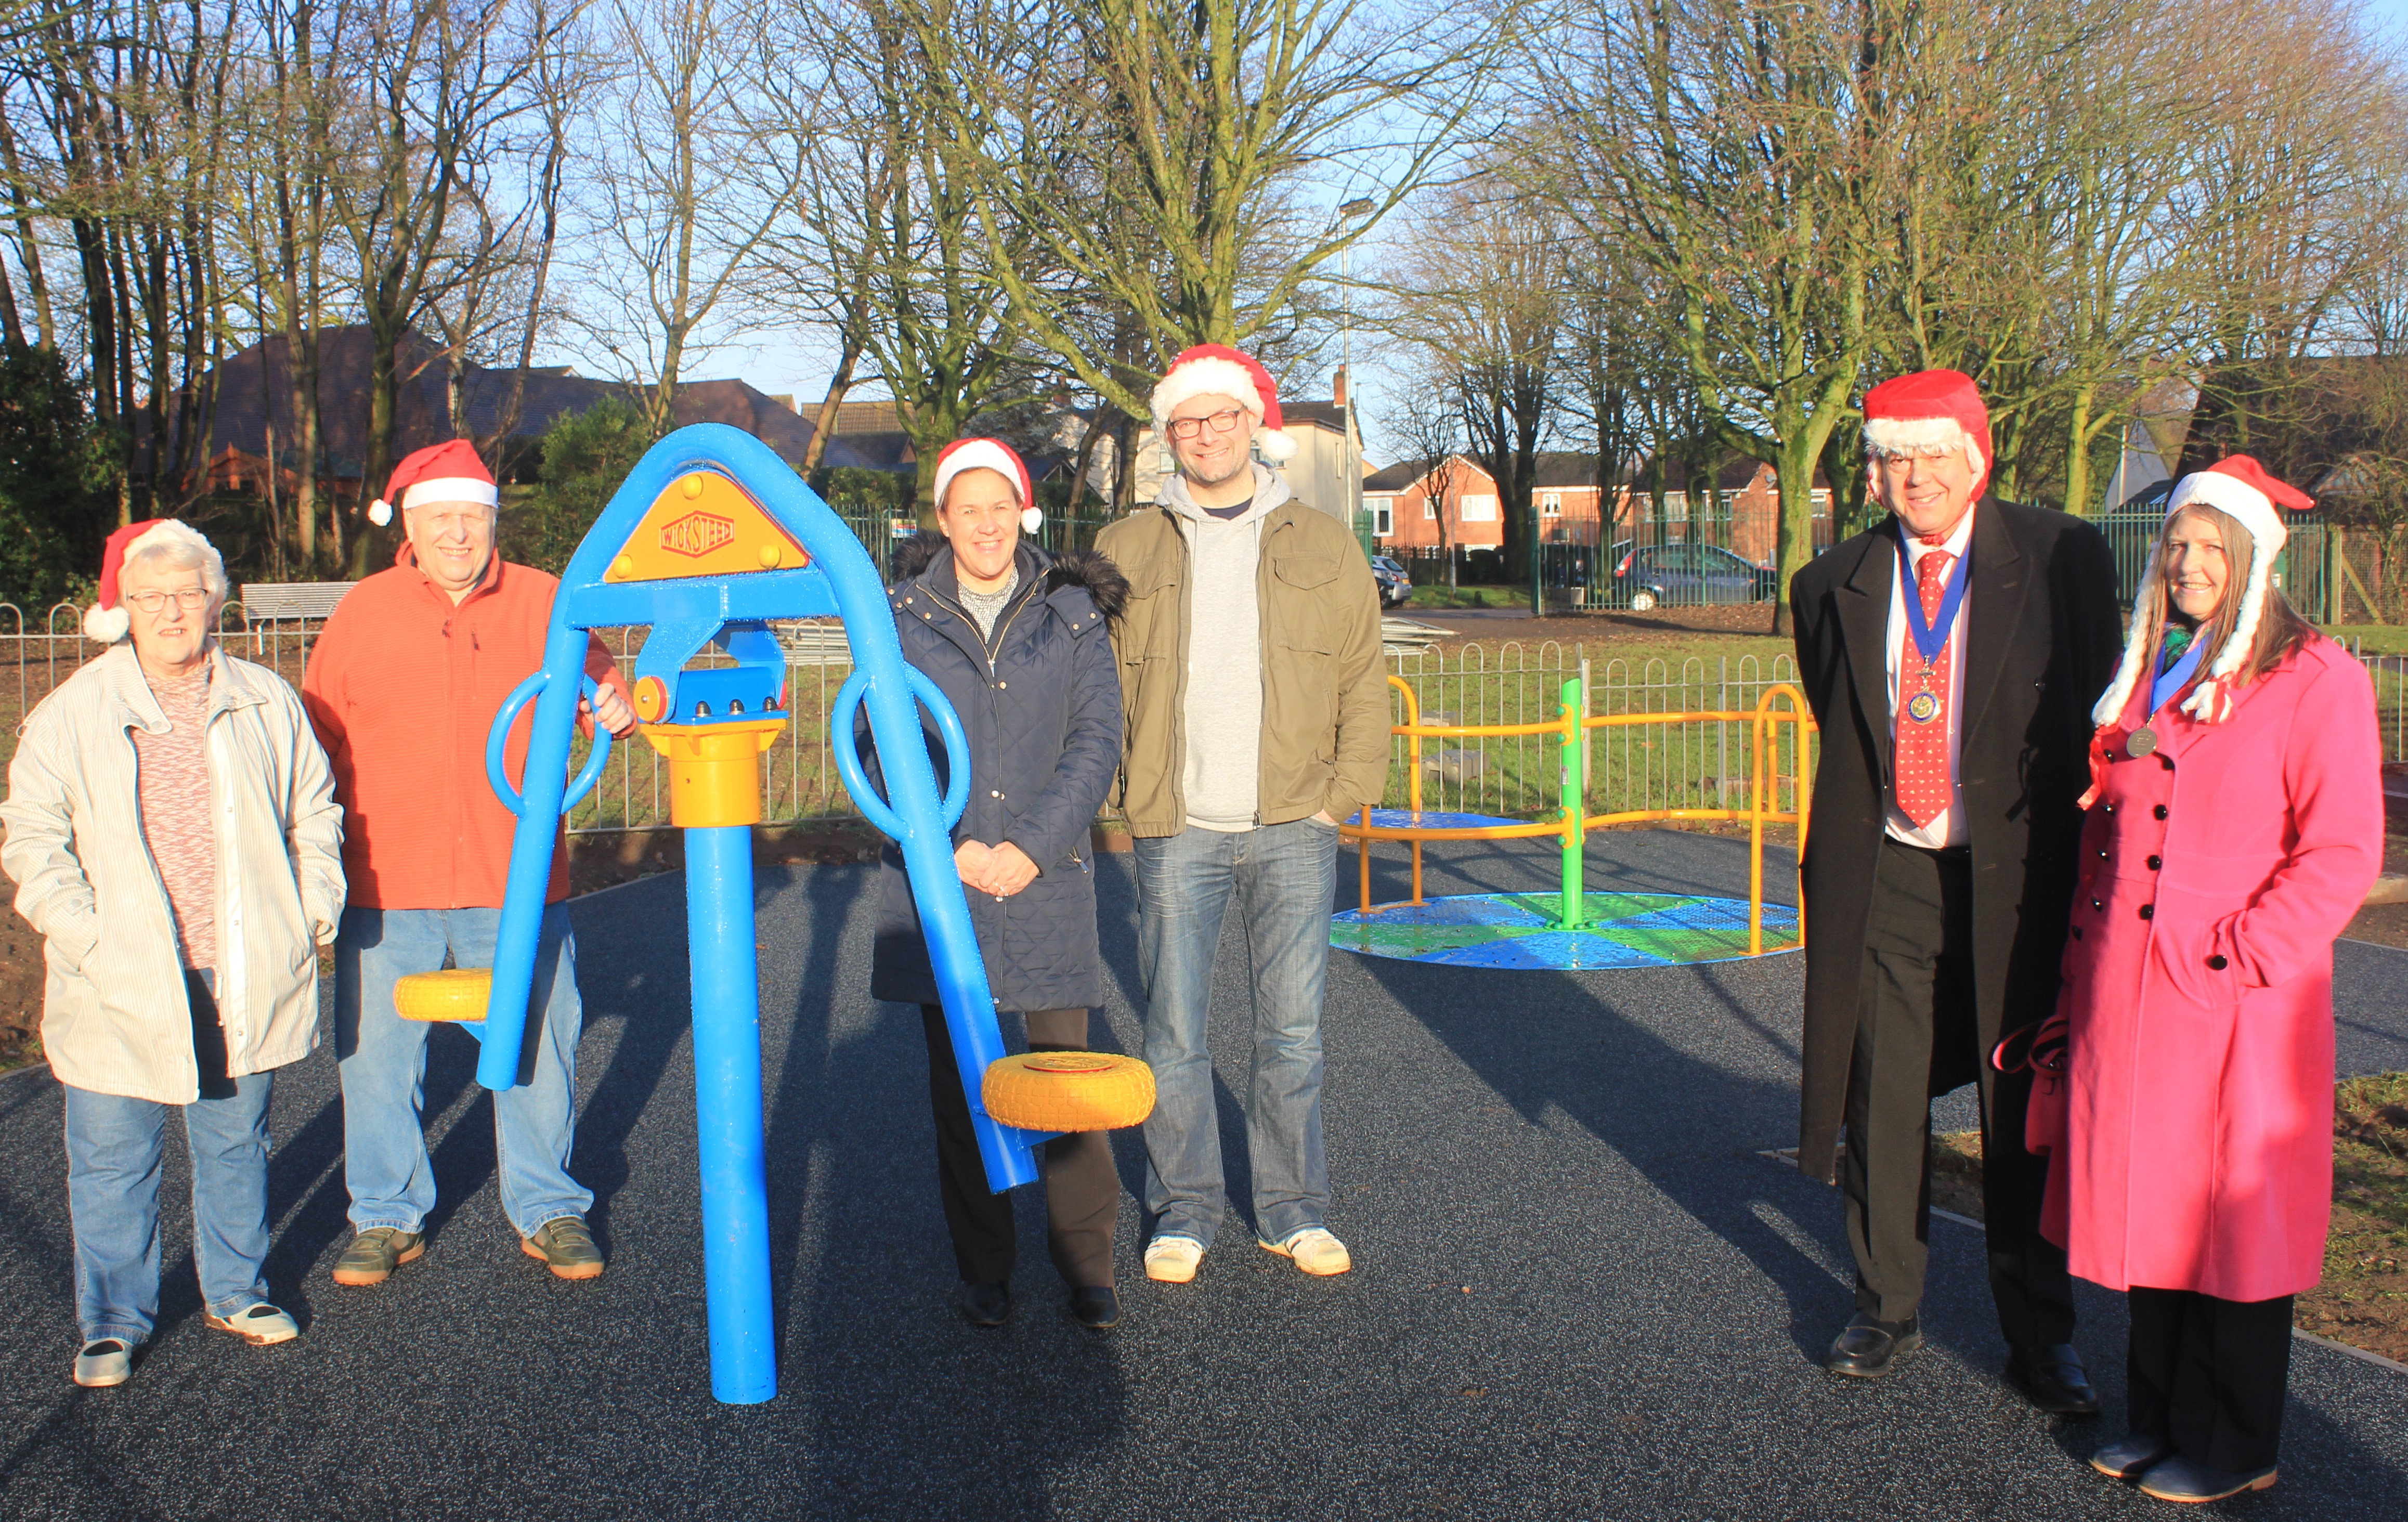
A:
x: 107, y: 621
x: 450, y: 472
x: 2240, y: 487
x: 989, y: 455
x: 1214, y: 369
x: 1930, y: 410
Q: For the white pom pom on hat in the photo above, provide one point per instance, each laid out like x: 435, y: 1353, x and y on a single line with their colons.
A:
x: 446, y: 472
x: 1215, y: 369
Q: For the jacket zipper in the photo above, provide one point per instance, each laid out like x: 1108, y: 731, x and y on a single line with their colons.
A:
x: 987, y: 652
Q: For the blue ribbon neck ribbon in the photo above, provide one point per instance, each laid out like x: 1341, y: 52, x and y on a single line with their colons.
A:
x: 1930, y: 639
x: 2175, y: 677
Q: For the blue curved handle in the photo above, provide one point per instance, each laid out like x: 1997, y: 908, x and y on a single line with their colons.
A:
x: 848, y: 754
x: 497, y: 737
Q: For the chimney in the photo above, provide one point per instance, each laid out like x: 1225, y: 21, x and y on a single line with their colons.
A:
x: 1337, y: 387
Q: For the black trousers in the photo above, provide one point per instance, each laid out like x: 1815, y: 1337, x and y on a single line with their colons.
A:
x: 1083, y: 1191
x: 1914, y: 1019
x: 2208, y: 1375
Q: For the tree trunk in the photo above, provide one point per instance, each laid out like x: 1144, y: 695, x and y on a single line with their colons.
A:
x: 1124, y: 467
x: 824, y: 422
x: 1085, y: 460
x: 301, y: 382
x: 2077, y: 454
x: 384, y: 396
x: 1794, y: 545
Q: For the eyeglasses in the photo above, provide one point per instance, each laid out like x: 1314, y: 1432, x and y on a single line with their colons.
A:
x: 1220, y: 423
x: 150, y: 602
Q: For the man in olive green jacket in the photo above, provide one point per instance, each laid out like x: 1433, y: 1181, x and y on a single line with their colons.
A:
x: 1256, y: 718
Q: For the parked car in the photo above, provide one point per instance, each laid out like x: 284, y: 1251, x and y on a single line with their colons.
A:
x: 1685, y: 576
x: 1396, y: 584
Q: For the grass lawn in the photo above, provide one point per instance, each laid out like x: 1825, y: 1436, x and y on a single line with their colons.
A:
x: 2363, y: 1297
x: 2370, y: 639
x: 1469, y: 596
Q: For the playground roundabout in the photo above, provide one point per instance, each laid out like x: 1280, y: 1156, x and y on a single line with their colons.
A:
x: 1572, y: 930
x: 1524, y: 931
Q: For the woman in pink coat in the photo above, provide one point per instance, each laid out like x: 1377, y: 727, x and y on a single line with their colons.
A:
x: 2235, y: 823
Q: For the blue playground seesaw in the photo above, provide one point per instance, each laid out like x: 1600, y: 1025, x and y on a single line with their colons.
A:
x: 708, y: 538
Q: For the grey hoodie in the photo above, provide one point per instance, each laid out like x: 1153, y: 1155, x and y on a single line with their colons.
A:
x: 1224, y: 717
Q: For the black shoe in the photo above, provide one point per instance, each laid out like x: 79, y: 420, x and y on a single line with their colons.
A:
x: 1868, y: 1348
x: 1096, y: 1307
x: 2054, y: 1379
x: 2130, y: 1459
x: 2179, y: 1479
x: 985, y: 1305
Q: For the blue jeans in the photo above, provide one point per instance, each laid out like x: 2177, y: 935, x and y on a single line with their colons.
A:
x: 382, y: 1058
x: 1284, y: 878
x: 114, y: 1144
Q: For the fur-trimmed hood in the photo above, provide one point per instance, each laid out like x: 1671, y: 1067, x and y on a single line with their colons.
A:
x: 1089, y: 570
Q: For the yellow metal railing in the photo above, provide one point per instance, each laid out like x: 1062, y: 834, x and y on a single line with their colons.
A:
x: 1782, y: 704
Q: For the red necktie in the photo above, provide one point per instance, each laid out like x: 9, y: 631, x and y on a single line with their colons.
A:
x: 1923, y: 781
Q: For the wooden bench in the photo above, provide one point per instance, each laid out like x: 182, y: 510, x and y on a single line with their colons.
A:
x: 267, y: 600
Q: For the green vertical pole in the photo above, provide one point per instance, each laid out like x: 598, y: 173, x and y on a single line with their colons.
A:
x: 1575, y: 803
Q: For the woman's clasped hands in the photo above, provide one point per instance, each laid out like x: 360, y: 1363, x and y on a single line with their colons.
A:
x: 1000, y: 871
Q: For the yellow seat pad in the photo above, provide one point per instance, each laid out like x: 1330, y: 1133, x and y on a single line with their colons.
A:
x: 452, y: 994
x: 1068, y: 1091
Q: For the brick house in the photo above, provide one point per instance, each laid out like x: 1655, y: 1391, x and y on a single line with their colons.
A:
x: 1740, y: 513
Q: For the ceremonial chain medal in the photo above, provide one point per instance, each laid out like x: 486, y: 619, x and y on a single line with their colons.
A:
x: 1924, y: 706
x: 1929, y: 636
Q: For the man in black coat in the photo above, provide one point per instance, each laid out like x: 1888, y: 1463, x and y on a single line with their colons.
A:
x: 1951, y: 656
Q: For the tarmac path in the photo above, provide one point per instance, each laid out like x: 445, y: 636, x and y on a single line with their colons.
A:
x: 1579, y: 1291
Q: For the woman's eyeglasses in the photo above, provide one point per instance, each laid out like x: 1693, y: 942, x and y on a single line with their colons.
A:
x: 191, y: 597
x: 1220, y: 423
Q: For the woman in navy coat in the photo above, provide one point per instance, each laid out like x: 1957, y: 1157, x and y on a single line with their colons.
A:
x: 1016, y: 638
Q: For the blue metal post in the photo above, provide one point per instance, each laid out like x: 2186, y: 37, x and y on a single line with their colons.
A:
x: 545, y: 784
x: 727, y: 1114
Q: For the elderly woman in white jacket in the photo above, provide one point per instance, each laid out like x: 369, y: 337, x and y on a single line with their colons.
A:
x: 174, y: 837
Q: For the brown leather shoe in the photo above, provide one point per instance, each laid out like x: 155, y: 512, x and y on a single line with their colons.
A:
x: 1867, y: 1349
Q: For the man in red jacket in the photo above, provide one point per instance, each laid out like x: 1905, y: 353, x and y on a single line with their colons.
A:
x: 402, y: 687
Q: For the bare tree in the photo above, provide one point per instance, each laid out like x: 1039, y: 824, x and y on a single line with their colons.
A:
x: 684, y: 202
x: 432, y: 82
x: 1485, y: 293
x: 1178, y: 130
x: 1426, y: 419
x: 1734, y: 149
x: 884, y: 210
x: 2299, y: 188
x: 489, y: 300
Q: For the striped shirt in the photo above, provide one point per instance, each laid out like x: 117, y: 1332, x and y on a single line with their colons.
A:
x: 172, y: 781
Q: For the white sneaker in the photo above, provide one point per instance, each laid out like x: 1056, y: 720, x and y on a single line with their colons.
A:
x: 1171, y: 1260
x: 105, y: 1362
x: 1314, y: 1251
x: 259, y: 1324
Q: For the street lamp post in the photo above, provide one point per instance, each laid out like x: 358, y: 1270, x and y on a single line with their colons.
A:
x: 1361, y: 206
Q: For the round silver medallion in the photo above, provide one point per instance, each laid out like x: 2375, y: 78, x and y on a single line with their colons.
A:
x: 2144, y: 741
